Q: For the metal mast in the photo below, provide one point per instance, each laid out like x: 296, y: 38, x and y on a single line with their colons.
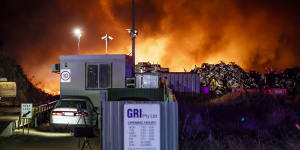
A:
x: 133, y: 37
x: 133, y: 34
x: 106, y: 38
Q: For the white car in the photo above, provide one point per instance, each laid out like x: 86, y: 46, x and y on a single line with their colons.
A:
x: 73, y: 112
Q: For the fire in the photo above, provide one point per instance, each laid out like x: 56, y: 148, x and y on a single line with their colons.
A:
x: 178, y: 35
x: 151, y: 50
x: 44, y: 79
x: 52, y: 92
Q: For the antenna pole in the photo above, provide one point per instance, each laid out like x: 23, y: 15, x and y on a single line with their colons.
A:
x: 106, y: 38
x: 106, y: 44
x: 133, y: 33
x: 133, y: 37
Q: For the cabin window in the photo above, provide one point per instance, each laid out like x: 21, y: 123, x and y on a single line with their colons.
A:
x: 98, y: 76
x: 92, y: 76
x: 105, y: 76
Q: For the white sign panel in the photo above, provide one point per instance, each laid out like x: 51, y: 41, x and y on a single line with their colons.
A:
x: 26, y: 110
x: 65, y: 75
x: 141, y: 127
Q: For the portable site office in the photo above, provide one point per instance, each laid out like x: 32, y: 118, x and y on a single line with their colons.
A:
x: 129, y: 114
x: 95, y: 75
x: 90, y: 75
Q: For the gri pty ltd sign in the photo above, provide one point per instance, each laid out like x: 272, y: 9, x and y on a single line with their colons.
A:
x: 142, y: 127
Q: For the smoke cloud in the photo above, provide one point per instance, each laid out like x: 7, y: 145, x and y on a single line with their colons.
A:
x: 175, y: 33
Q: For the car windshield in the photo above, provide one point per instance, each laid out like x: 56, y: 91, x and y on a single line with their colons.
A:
x: 72, y: 104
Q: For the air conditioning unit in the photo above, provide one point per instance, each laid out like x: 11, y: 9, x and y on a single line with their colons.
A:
x: 55, y: 68
x: 130, y: 82
x: 147, y: 81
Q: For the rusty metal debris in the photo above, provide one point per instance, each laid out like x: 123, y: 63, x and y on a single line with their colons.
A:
x: 221, y: 78
x: 142, y: 67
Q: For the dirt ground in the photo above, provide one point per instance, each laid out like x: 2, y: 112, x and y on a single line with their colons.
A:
x: 44, y: 140
x: 40, y: 138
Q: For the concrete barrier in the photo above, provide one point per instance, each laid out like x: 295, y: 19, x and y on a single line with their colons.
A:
x: 6, y: 128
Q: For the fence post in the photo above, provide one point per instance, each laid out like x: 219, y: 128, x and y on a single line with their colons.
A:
x: 19, y: 121
x: 23, y: 120
x: 28, y: 124
x: 35, y: 121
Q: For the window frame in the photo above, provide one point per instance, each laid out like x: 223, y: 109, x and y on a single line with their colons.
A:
x: 98, y: 68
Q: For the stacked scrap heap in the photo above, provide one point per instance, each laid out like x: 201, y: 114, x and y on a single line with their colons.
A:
x: 142, y: 67
x: 222, y: 78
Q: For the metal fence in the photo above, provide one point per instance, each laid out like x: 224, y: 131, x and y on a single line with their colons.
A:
x: 113, y: 124
x: 41, y: 113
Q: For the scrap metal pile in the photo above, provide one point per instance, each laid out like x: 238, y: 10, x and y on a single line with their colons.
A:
x: 222, y: 78
x: 289, y: 79
x: 142, y: 67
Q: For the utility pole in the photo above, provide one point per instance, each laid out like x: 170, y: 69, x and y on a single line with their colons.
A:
x: 133, y: 34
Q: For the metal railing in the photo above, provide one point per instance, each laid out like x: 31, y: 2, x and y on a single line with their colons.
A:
x: 40, y: 114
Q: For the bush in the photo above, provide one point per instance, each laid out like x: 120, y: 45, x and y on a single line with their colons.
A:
x: 260, y: 122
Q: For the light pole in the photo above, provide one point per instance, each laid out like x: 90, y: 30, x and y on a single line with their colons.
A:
x: 78, y: 34
x: 106, y: 38
x: 133, y: 34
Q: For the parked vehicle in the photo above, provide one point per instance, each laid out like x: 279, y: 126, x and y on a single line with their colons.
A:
x: 73, y: 112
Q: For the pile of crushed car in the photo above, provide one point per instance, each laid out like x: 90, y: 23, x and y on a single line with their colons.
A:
x: 222, y: 78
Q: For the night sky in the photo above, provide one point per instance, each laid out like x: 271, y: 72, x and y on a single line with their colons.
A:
x: 175, y: 33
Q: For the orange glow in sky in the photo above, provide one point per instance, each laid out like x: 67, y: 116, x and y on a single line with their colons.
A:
x: 178, y: 34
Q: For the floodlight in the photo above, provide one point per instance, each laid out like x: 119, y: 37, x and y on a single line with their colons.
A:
x: 78, y: 34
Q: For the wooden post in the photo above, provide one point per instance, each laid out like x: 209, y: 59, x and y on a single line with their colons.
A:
x: 28, y: 123
x: 23, y: 124
x: 35, y: 121
x: 19, y: 121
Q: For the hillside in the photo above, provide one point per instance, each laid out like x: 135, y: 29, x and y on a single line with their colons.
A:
x: 26, y: 91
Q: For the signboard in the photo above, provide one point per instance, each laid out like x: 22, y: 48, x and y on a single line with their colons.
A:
x: 142, y: 127
x: 26, y: 110
x: 3, y: 79
x: 65, y: 75
x: 8, y: 89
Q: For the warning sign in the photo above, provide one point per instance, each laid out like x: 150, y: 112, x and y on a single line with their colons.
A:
x: 65, y: 75
x: 26, y: 110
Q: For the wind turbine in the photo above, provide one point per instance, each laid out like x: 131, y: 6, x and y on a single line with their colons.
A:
x: 106, y: 38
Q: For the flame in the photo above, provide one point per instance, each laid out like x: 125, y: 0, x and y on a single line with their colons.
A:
x: 53, y: 91
x: 151, y: 50
x: 177, y: 34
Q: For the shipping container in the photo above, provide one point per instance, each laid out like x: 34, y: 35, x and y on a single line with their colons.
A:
x: 179, y: 82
